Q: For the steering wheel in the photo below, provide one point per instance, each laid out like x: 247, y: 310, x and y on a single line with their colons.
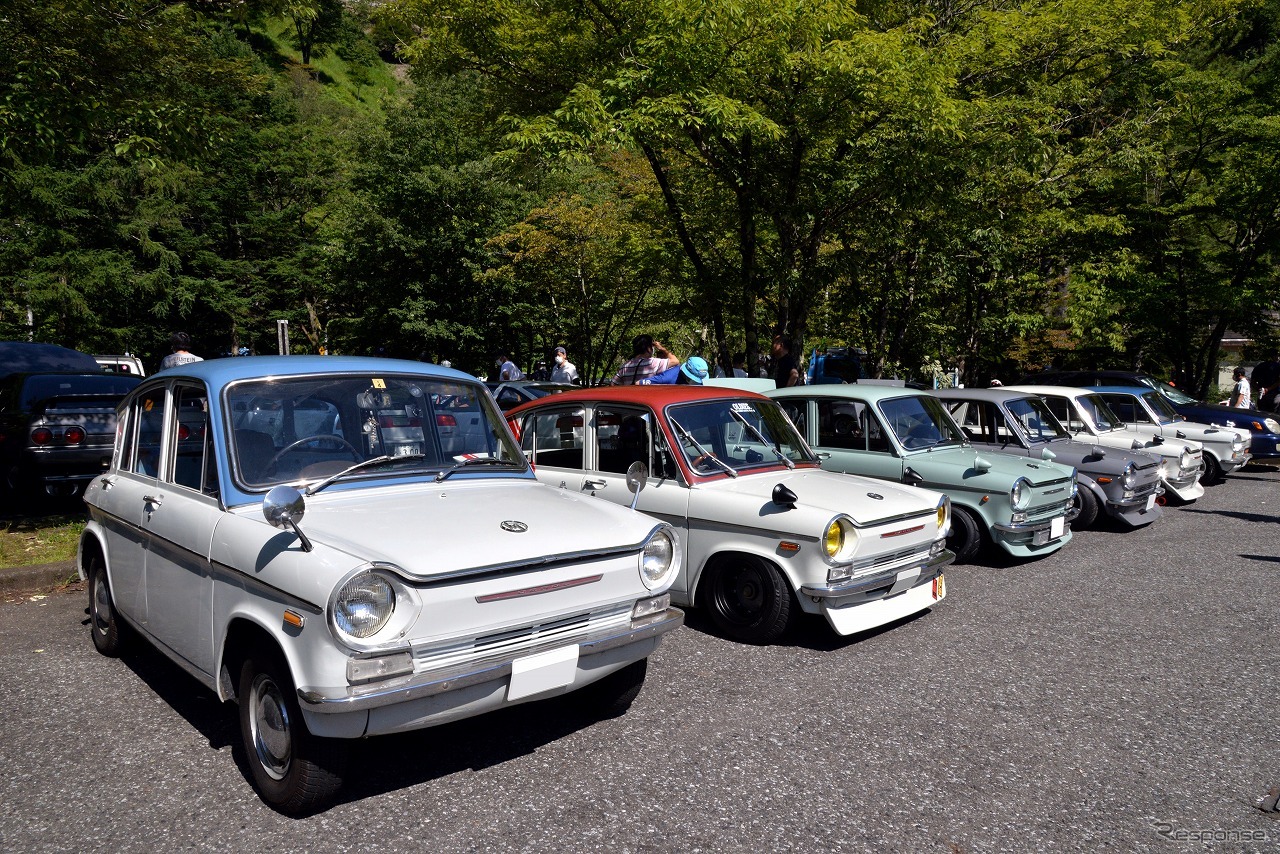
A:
x: 702, y: 460
x: 318, y: 437
x: 919, y: 436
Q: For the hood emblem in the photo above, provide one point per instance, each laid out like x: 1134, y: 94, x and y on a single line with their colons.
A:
x: 877, y: 496
x: 514, y: 526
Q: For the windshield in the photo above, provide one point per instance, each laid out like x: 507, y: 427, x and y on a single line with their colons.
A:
x: 308, y: 428
x: 1175, y: 395
x: 920, y: 422
x: 722, y: 435
x: 1161, y: 407
x: 1037, y: 421
x: 1096, y: 409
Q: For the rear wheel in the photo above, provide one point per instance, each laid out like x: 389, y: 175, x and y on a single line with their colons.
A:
x: 1086, y: 505
x: 104, y: 624
x: 294, y: 771
x: 965, y: 538
x: 749, y: 600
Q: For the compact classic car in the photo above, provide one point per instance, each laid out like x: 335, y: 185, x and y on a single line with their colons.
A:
x: 767, y: 533
x: 907, y: 436
x: 1088, y: 418
x: 350, y: 547
x: 1224, y: 449
x: 1125, y: 485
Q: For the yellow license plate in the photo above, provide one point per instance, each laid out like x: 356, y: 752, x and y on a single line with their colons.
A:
x: 939, y: 587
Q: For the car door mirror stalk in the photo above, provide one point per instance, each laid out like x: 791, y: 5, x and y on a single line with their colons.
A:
x: 283, y: 508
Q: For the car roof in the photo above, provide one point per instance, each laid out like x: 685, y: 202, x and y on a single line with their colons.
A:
x: 860, y: 390
x: 1093, y: 376
x: 30, y: 357
x: 222, y: 371
x: 996, y: 395
x: 1059, y: 390
x: 656, y: 396
x: 1134, y: 390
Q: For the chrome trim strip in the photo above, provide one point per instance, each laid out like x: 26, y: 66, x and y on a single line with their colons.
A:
x: 840, y: 589
x: 1026, y: 527
x: 406, y: 689
x: 541, y: 588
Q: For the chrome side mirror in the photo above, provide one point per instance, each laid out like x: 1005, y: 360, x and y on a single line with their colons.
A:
x: 637, y: 480
x: 283, y: 508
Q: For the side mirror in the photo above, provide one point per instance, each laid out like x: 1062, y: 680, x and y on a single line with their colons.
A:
x: 981, y: 464
x: 1098, y: 451
x: 637, y: 480
x: 283, y: 508
x: 912, y: 477
x: 1048, y: 455
x: 784, y: 497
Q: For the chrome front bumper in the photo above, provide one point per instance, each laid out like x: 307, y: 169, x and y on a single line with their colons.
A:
x: 404, y: 689
x: 854, y: 586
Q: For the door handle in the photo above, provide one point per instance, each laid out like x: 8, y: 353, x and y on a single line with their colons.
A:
x: 596, y: 484
x: 152, y: 500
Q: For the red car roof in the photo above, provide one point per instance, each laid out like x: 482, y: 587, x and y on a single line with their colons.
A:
x: 656, y: 396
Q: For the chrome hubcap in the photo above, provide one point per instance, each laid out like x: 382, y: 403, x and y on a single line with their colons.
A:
x: 269, y: 719
x: 101, y: 605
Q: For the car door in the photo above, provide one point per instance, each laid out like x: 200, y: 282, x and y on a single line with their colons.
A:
x: 621, y: 435
x: 122, y: 500
x: 179, y: 515
x: 850, y: 431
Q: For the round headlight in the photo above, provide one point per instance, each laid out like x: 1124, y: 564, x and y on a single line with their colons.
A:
x: 1020, y: 494
x: 1130, y: 477
x: 363, y: 605
x: 833, y: 539
x: 840, y: 539
x: 656, y: 559
x: 1184, y: 459
x: 944, y: 515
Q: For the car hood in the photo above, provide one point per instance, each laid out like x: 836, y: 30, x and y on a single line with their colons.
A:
x: 417, y: 528
x: 952, y: 465
x: 825, y: 493
x: 1197, y: 432
x: 1074, y: 452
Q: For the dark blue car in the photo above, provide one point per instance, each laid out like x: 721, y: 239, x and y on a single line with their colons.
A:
x: 1264, y: 427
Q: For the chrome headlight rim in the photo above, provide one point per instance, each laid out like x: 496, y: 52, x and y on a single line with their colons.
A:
x: 1129, y: 479
x: 400, y: 614
x: 838, y: 542
x: 1020, y: 494
x: 1184, y: 458
x: 944, y: 515
x: 659, y: 558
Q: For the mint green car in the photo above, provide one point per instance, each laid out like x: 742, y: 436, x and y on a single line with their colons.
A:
x: 898, y: 434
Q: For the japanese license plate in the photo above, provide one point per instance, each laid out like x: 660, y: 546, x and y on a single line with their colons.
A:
x: 534, y: 674
x: 939, y: 587
x: 1151, y: 501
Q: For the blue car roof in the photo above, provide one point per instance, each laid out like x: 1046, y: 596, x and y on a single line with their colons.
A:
x: 219, y: 372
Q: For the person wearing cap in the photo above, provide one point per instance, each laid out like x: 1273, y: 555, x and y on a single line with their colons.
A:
x: 564, y: 371
x: 692, y: 372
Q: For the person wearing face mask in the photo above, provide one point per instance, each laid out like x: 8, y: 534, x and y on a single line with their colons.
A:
x: 564, y: 371
x: 507, y: 370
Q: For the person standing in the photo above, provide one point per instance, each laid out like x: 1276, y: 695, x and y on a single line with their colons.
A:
x: 1240, y: 395
x: 507, y: 370
x: 540, y: 372
x: 648, y: 357
x: 786, y: 372
x: 564, y: 371
x: 692, y: 372
x: 180, y: 344
x: 1266, y: 378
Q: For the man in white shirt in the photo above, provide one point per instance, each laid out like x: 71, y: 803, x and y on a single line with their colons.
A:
x: 1241, y: 394
x: 564, y: 371
x: 507, y: 370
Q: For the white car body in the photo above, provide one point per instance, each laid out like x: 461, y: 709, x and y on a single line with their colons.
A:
x: 1181, y: 461
x: 1148, y: 413
x: 500, y: 589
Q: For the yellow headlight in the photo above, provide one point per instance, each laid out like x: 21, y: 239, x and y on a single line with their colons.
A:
x: 833, y: 542
x: 944, y: 513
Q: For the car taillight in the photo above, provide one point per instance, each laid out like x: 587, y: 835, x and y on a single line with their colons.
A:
x: 41, y: 436
x: 74, y: 435
x: 184, y: 432
x: 446, y: 421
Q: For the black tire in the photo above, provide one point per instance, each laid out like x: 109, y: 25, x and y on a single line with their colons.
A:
x: 1212, y: 470
x: 294, y: 772
x: 614, y: 694
x: 748, y: 599
x: 965, y: 538
x: 1087, y: 504
x: 108, y: 633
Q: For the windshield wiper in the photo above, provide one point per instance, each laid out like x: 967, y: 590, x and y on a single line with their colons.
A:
x: 366, y: 464
x: 686, y: 434
x: 760, y: 437
x: 475, y: 461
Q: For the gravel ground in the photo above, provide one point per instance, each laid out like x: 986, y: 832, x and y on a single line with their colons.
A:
x: 1119, y: 694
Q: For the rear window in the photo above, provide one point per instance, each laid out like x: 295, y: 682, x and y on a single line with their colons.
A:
x: 45, y: 386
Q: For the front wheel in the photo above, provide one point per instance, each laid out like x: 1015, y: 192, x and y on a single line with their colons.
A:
x: 966, y: 537
x: 1086, y: 505
x: 749, y: 599
x: 1212, y: 470
x: 294, y: 771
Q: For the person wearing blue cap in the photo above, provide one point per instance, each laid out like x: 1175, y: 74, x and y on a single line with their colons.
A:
x: 690, y: 372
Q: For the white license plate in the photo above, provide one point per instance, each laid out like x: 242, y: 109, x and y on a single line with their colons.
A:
x: 535, y: 674
x: 1151, y: 501
x: 1057, y: 527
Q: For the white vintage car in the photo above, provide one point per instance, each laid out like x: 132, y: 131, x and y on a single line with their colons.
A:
x: 767, y: 532
x: 351, y: 547
x: 1086, y: 415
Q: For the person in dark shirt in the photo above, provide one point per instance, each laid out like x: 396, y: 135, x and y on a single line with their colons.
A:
x: 786, y: 372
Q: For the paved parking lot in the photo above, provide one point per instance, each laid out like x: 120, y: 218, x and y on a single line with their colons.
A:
x: 1120, y: 694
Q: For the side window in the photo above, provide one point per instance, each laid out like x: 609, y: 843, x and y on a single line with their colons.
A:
x: 966, y: 415
x: 796, y: 409
x: 623, y: 436
x: 849, y: 424
x: 148, y: 422
x: 1064, y: 412
x: 194, y: 464
x: 509, y: 398
x: 554, y: 437
x: 1126, y: 408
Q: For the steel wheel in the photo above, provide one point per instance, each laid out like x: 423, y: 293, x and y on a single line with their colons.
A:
x: 749, y: 599
x: 104, y: 624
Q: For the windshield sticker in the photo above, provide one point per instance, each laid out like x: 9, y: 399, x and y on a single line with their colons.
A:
x: 377, y: 383
x: 743, y: 407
